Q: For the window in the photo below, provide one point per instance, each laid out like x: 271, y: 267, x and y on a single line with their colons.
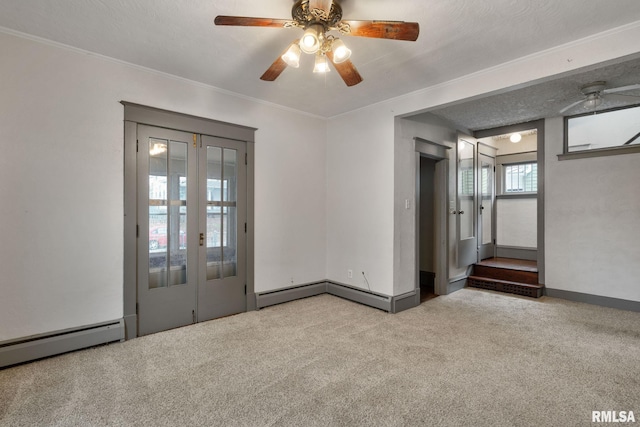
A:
x: 599, y: 133
x: 520, y: 178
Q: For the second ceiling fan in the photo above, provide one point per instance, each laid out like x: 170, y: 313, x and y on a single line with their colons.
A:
x: 317, y: 18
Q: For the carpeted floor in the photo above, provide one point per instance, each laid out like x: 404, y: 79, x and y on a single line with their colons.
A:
x: 473, y: 358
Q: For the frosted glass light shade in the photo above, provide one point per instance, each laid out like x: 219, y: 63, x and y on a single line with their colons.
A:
x: 310, y: 41
x: 321, y: 66
x: 292, y: 56
x: 340, y: 52
x: 592, y: 101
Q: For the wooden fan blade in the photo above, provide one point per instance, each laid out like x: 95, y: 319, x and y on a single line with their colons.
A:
x: 394, y: 30
x: 244, y: 21
x: 277, y: 67
x: 321, y: 4
x: 346, y: 70
x: 274, y: 71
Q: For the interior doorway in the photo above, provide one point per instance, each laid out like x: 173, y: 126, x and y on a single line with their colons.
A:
x: 519, y: 188
x: 427, y: 229
x: 431, y: 220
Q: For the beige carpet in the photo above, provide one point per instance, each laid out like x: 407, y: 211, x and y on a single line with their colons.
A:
x: 473, y: 358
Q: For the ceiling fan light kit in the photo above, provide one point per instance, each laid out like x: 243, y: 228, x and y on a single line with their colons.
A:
x: 595, y: 92
x: 317, y: 18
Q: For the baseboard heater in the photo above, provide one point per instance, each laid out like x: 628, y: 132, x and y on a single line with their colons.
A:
x: 371, y: 299
x: 44, y: 345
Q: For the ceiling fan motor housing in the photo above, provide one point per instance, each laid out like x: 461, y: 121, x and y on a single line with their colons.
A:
x: 593, y: 87
x: 304, y: 17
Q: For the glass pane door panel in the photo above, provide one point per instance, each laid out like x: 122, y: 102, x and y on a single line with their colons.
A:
x: 466, y: 188
x: 214, y: 213
x: 486, y: 187
x: 229, y: 217
x: 221, y: 212
x: 167, y: 213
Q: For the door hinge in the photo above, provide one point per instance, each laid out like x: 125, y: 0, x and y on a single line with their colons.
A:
x: 246, y: 158
x: 245, y: 227
x: 195, y: 139
x: 494, y: 241
x: 137, y: 230
x: 494, y: 169
x: 136, y: 145
x: 193, y: 314
x: 245, y: 289
x: 136, y: 308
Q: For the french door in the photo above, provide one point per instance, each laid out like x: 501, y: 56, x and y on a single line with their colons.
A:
x: 191, y: 213
x: 486, y: 190
x: 467, y: 247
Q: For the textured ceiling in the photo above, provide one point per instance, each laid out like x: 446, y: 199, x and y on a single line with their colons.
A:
x: 457, y: 37
x: 542, y: 100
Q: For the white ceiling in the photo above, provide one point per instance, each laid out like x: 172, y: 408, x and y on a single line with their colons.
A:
x: 457, y: 37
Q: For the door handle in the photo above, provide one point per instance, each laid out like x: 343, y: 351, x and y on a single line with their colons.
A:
x: 201, y: 239
x: 460, y: 212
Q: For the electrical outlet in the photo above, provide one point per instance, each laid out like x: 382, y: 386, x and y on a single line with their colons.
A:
x: 350, y: 274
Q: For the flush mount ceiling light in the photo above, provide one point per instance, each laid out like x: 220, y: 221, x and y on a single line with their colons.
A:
x: 318, y: 18
x: 515, y: 137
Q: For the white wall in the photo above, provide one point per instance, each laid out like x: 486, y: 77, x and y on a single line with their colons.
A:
x: 517, y: 222
x: 359, y: 190
x: 592, y: 211
x: 61, y: 183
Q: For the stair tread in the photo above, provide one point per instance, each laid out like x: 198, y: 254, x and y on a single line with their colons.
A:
x: 510, y: 264
x: 491, y: 279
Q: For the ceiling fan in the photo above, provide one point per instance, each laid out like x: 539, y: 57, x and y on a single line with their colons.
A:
x: 317, y: 18
x: 595, y: 92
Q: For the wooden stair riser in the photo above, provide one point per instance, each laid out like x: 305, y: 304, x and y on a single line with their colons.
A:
x: 519, y: 276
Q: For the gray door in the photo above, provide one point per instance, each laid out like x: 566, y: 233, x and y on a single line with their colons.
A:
x: 167, y: 224
x: 467, y: 247
x: 191, y: 228
x: 222, y: 254
x: 486, y: 214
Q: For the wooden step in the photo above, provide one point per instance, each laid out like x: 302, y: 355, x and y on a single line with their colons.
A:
x: 508, y: 274
x: 518, y: 288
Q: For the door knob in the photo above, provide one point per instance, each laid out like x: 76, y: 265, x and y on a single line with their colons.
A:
x: 460, y: 212
x: 201, y: 239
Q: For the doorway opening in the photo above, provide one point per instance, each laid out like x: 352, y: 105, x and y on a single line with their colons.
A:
x: 427, y: 229
x: 517, y: 220
x: 431, y: 168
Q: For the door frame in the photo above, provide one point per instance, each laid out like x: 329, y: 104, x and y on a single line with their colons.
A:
x: 539, y: 125
x: 439, y: 153
x: 135, y: 114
